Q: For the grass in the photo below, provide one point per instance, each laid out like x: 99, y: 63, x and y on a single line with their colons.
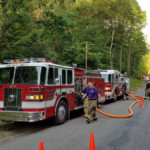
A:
x: 6, y: 128
x: 135, y: 83
x: 3, y: 128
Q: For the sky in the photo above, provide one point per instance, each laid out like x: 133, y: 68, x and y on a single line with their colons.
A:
x: 144, y: 4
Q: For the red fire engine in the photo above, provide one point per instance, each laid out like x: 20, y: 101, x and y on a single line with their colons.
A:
x: 33, y: 89
x: 113, y: 84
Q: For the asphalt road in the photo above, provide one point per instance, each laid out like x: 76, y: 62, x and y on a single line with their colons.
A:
x: 109, y: 133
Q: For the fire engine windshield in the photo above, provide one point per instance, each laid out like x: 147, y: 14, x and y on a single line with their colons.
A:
x: 33, y: 75
x: 107, y: 77
x: 6, y: 75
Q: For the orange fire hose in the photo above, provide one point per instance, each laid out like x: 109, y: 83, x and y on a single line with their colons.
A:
x: 130, y: 110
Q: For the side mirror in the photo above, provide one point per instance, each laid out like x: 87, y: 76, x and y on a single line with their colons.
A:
x: 56, y: 81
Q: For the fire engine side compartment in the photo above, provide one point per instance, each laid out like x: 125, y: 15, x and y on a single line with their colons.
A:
x: 79, y: 73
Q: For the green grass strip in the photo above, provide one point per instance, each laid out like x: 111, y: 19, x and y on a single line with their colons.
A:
x: 135, y: 83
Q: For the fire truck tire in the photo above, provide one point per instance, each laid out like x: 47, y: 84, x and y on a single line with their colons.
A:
x: 61, y: 113
x: 115, y: 97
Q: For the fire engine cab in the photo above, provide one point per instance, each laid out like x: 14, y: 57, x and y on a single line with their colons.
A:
x: 113, y: 84
x: 35, y: 89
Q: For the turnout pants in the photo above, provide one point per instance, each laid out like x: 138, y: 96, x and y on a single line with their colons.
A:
x: 92, y: 108
x: 86, y: 107
x: 147, y: 92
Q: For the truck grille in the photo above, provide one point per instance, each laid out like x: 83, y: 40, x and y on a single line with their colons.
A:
x: 12, y: 99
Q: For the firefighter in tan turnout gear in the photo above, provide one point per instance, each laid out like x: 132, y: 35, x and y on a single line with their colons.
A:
x: 93, y: 94
x: 86, y: 103
x: 147, y: 90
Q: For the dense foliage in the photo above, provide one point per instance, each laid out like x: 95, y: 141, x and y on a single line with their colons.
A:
x: 60, y: 29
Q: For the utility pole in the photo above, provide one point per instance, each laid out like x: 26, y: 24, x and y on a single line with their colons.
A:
x: 86, y: 55
x: 121, y: 59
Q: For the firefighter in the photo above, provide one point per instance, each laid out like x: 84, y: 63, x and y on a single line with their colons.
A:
x: 93, y: 94
x: 122, y: 82
x: 147, y: 79
x: 147, y: 90
x: 86, y: 103
x: 124, y: 90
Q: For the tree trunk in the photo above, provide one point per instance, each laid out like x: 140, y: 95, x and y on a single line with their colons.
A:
x: 4, y: 17
x: 17, y: 6
x: 111, y: 45
x: 121, y: 59
x: 129, y: 63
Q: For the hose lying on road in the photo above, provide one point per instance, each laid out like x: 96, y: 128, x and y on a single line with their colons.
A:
x: 130, y: 110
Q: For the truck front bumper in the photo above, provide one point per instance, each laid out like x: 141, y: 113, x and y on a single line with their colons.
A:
x: 22, y: 116
x: 108, y: 95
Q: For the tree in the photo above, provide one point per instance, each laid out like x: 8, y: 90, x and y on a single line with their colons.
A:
x: 60, y: 28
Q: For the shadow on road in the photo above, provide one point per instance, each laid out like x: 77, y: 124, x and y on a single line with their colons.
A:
x: 112, y: 101
x: 12, y: 129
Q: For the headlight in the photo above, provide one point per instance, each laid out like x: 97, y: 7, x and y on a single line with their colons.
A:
x: 41, y: 96
x: 34, y: 97
x: 108, y: 88
x: 37, y: 97
x: 31, y: 97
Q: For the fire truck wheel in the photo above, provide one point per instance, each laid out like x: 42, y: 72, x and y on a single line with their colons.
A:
x: 115, y: 96
x: 61, y: 113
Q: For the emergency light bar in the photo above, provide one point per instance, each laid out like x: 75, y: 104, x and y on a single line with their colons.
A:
x: 104, y: 71
x: 26, y: 60
x: 92, y: 73
x: 74, y: 65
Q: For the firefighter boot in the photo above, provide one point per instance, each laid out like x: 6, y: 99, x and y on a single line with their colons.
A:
x: 127, y: 97
x: 94, y: 115
x: 95, y: 118
x: 146, y: 98
x: 88, y: 119
x: 85, y: 116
